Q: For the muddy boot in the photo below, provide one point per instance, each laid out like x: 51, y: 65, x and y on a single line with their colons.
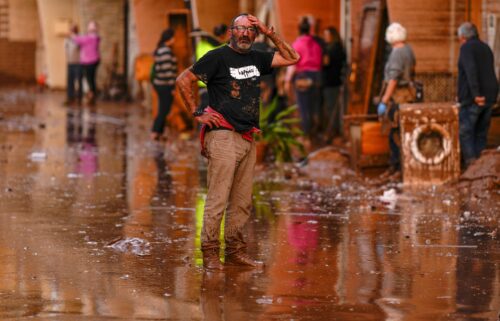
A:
x: 242, y: 259
x: 211, y: 260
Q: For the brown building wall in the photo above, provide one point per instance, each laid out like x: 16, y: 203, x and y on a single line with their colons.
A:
x: 326, y: 13
x: 491, y: 13
x: 23, y: 20
x: 151, y: 19
x: 17, y: 45
x: 435, y: 42
x: 432, y: 27
x: 17, y: 61
x: 210, y: 15
x: 489, y: 7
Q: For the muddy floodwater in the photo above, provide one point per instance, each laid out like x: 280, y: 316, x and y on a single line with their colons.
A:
x: 99, y: 223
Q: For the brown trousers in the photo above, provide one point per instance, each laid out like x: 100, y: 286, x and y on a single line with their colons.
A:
x: 231, y: 162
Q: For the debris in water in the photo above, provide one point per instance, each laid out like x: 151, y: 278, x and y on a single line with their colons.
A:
x: 134, y: 245
x: 73, y: 175
x: 265, y: 300
x: 447, y: 246
x: 38, y: 156
x: 389, y: 198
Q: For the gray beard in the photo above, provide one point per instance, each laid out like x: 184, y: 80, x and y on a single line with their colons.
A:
x: 243, y: 47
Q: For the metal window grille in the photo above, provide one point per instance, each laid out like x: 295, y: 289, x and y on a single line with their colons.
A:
x: 438, y: 87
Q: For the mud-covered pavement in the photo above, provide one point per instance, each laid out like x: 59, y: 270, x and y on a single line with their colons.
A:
x: 98, y: 223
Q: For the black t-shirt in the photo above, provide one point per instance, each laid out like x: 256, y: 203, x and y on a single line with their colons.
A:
x: 233, y: 82
x: 332, y: 72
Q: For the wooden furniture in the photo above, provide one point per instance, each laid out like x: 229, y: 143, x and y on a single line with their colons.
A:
x: 366, y: 74
x: 368, y: 145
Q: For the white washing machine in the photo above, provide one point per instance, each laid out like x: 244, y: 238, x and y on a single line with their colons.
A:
x: 429, y: 143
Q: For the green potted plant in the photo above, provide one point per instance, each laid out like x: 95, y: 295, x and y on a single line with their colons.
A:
x: 279, y: 133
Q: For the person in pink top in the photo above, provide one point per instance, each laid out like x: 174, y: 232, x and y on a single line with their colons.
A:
x: 89, y: 57
x: 306, y: 77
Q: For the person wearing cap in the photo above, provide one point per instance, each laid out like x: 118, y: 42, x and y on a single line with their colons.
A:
x: 164, y: 73
x: 89, y: 57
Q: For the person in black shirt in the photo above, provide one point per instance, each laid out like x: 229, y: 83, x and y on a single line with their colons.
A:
x: 232, y: 74
x: 334, y: 60
x: 165, y: 71
x: 477, y: 91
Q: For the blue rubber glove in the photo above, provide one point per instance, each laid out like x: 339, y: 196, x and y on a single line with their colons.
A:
x: 381, y: 108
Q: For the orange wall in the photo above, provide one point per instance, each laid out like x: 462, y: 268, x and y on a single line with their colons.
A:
x: 210, y: 15
x: 435, y: 44
x: 326, y: 13
x: 151, y: 19
x: 17, y: 61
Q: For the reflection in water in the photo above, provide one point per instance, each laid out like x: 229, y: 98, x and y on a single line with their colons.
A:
x: 212, y: 295
x: 476, y: 274
x: 302, y: 235
x: 302, y: 274
x: 224, y: 296
x: 74, y: 126
x: 331, y: 254
x: 81, y: 133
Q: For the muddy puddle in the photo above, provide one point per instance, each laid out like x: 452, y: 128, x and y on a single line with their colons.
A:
x: 97, y: 222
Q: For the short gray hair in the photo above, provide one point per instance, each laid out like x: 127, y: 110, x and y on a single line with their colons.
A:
x: 467, y: 30
x: 395, y: 33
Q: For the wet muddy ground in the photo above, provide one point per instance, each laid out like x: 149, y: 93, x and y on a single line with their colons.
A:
x: 98, y: 223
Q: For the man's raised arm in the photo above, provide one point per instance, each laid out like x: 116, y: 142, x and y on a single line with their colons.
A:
x: 286, y: 55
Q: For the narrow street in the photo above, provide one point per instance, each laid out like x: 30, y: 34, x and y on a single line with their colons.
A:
x: 97, y: 223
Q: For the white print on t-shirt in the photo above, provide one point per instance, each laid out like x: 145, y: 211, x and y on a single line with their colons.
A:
x: 244, y: 72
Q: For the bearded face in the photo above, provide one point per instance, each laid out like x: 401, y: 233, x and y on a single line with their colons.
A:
x: 243, y: 34
x: 241, y: 42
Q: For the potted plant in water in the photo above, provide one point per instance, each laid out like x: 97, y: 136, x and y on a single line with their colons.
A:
x: 279, y: 133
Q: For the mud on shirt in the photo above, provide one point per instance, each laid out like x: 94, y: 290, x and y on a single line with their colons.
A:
x: 233, y: 82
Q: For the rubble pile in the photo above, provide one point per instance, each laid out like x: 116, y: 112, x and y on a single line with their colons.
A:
x: 483, y: 175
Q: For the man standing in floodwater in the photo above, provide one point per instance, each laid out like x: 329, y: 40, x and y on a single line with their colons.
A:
x: 232, y: 74
x: 477, y: 91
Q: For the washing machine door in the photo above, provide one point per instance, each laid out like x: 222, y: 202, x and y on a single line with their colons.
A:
x: 430, y: 144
